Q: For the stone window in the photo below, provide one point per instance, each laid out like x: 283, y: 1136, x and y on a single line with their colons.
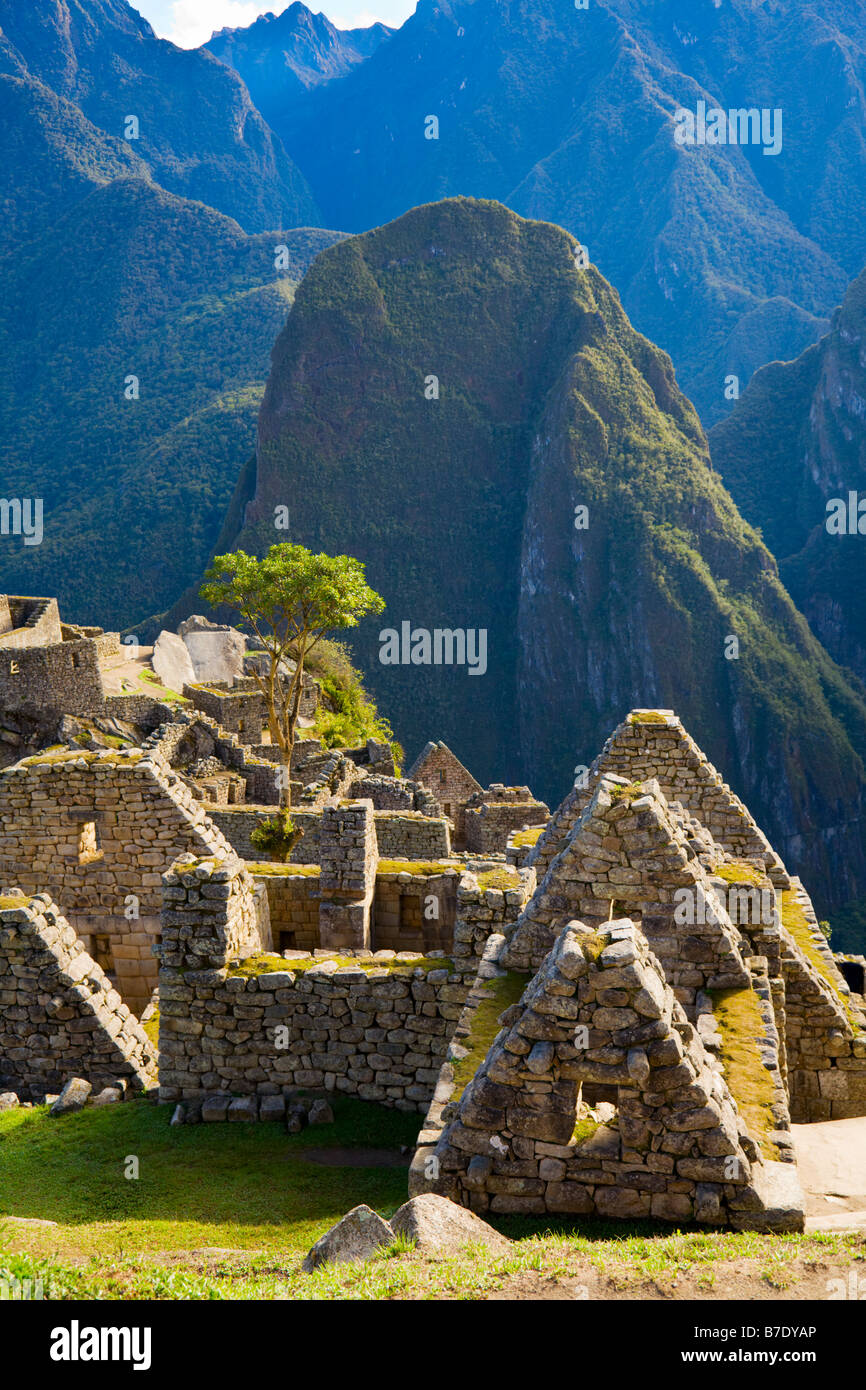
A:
x: 285, y: 940
x: 442, y: 777
x: 89, y: 848
x: 447, y: 808
x: 102, y: 953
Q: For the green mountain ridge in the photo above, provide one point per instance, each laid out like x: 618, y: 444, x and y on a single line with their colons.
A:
x: 794, y: 441
x: 169, y: 291
x: 723, y: 256
x: 200, y: 136
x: 463, y: 510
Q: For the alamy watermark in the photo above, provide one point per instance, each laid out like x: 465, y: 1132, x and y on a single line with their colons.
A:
x: 22, y: 516
x: 444, y: 646
x: 739, y: 126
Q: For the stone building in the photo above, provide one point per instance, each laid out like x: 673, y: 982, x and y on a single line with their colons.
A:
x: 48, y: 667
x: 442, y: 773
x: 491, y: 815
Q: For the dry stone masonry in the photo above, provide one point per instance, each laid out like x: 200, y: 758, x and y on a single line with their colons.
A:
x: 621, y: 1020
x: 60, y: 1017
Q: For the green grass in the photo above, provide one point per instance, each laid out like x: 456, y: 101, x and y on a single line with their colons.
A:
x: 738, y: 1016
x: 626, y: 1254
x: 243, y: 1186
x: 499, y: 994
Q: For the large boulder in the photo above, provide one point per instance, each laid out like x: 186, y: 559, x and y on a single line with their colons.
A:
x: 440, y: 1227
x: 215, y: 649
x: 171, y: 661
x: 357, y: 1237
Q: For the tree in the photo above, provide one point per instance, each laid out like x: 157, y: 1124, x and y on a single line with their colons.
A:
x: 291, y: 599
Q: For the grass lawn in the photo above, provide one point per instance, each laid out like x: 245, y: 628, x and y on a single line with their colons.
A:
x: 229, y: 1211
x: 246, y: 1186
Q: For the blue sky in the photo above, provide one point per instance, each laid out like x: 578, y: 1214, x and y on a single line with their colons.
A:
x: 191, y: 22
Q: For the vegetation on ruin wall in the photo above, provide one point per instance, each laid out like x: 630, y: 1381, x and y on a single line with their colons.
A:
x: 738, y: 1016
x: 282, y: 870
x: 796, y: 922
x: 740, y: 871
x: 521, y: 838
x: 264, y: 964
x: 422, y: 867
x: 347, y: 716
x: 497, y: 996
x: 503, y: 879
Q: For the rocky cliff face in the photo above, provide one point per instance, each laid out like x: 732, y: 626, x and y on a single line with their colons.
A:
x: 457, y: 403
x: 794, y: 445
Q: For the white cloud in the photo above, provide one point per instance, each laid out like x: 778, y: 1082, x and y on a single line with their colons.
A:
x: 193, y: 21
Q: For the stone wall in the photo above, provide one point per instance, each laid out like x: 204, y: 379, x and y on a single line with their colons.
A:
x: 486, y: 911
x: 654, y: 744
x: 348, y: 875
x: 411, y: 835
x: 414, y: 912
x: 520, y: 1138
x: 141, y: 710
x: 450, y: 782
x: 293, y: 906
x: 30, y: 622
x: 488, y: 824
x: 823, y: 1029
x: 64, y: 678
x: 97, y: 830
x: 627, y: 851
x: 60, y: 1017
x: 364, y: 1030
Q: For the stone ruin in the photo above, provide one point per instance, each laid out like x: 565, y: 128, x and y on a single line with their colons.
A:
x: 622, y: 1020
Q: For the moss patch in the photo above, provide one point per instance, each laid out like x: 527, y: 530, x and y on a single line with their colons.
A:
x: 13, y: 900
x: 740, y: 871
x: 283, y: 870
x: 414, y: 866
x: 499, y: 994
x: 648, y: 716
x: 796, y: 922
x: 499, y: 878
x: 584, y: 1129
x: 521, y: 838
x: 263, y: 964
x: 738, y: 1016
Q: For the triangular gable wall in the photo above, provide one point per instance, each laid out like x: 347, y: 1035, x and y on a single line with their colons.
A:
x: 61, y: 1016
x: 628, y: 852
x: 653, y: 743
x: 598, y: 1013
